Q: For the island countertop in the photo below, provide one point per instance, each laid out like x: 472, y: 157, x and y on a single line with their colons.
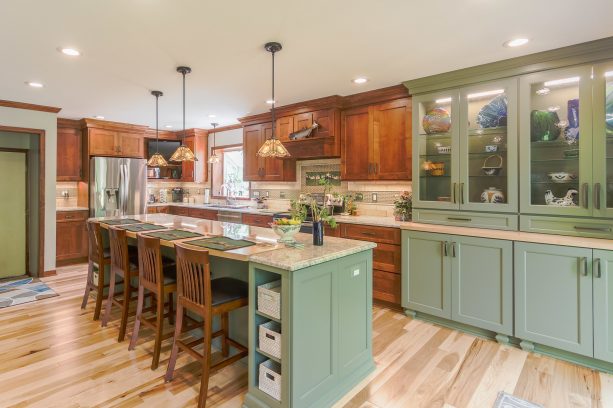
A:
x: 266, y: 251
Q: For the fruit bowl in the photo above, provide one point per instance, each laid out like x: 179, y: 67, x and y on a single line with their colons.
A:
x: 286, y: 232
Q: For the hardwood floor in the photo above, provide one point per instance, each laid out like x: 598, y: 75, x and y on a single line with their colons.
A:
x: 53, y: 355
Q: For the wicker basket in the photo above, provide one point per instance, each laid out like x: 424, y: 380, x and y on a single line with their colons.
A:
x: 269, y: 299
x: 270, y: 379
x: 270, y: 338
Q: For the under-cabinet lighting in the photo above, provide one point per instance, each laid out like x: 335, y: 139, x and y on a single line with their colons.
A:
x: 270, y: 102
x: 99, y: 117
x: 553, y: 108
x: 563, y: 81
x: 608, y: 74
x: 443, y: 100
x: 486, y: 93
x: 168, y: 126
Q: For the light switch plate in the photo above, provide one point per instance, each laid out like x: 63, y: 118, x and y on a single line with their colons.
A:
x: 374, y: 197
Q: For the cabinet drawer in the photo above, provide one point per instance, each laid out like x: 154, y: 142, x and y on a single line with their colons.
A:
x: 257, y: 220
x: 593, y: 228
x: 71, y: 216
x: 386, y: 286
x: 163, y: 210
x: 467, y: 219
x: 202, y: 213
x: 332, y: 232
x: 383, y: 235
x: 386, y: 257
x: 152, y: 210
x: 175, y: 210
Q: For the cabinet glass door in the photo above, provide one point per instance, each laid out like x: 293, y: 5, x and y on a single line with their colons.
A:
x: 556, y: 140
x: 603, y: 140
x: 435, y: 130
x: 488, y: 147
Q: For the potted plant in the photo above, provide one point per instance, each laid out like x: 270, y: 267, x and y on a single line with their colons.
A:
x: 403, y: 207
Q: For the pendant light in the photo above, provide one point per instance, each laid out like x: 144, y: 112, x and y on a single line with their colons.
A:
x: 157, y: 160
x: 214, y: 158
x: 273, y: 146
x: 183, y: 153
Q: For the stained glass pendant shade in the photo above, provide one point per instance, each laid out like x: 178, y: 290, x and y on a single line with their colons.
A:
x: 183, y: 153
x: 156, y: 160
x: 214, y: 158
x: 273, y: 147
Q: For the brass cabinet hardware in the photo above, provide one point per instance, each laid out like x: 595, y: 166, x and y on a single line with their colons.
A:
x: 597, y: 196
x: 459, y: 219
x: 584, y: 195
x: 597, y: 268
x: 594, y: 229
x: 583, y: 265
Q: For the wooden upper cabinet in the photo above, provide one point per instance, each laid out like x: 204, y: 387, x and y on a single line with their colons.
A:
x: 263, y: 169
x: 131, y: 144
x: 356, y: 161
x: 196, y: 140
x: 285, y: 126
x: 69, y: 154
x: 376, y: 142
x: 392, y: 140
x: 102, y: 142
x: 303, y: 121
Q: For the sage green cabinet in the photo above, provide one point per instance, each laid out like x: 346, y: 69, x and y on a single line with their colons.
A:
x: 482, y: 283
x: 603, y: 305
x: 465, y: 279
x: 603, y: 139
x: 553, y: 296
x: 466, y: 144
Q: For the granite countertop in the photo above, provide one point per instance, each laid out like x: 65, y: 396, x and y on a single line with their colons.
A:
x: 266, y: 251
x: 58, y: 209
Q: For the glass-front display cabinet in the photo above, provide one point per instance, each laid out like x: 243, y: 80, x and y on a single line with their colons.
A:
x: 556, y: 142
x: 466, y: 142
x: 603, y: 140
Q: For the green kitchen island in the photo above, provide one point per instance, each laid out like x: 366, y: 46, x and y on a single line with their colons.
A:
x: 319, y: 345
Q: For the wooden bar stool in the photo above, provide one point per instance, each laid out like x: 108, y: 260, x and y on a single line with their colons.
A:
x: 124, y: 265
x: 157, y: 275
x: 204, y: 297
x: 99, y: 258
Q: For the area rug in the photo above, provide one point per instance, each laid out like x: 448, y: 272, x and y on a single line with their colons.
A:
x: 505, y: 400
x: 23, y: 291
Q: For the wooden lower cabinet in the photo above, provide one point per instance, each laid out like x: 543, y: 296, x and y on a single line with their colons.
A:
x: 257, y: 220
x: 603, y: 305
x: 465, y: 279
x: 177, y: 210
x: 202, y: 213
x: 71, y: 236
x: 386, y: 286
x: 158, y: 210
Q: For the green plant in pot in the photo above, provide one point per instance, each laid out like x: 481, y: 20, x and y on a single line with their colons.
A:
x: 320, y: 216
x: 403, y: 207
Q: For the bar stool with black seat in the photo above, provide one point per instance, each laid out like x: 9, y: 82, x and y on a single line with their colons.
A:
x: 157, y: 275
x: 99, y: 258
x: 124, y: 261
x: 197, y: 293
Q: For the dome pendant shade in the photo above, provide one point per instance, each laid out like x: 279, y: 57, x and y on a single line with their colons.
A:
x: 273, y: 148
x: 157, y: 160
x: 183, y: 153
x: 214, y: 159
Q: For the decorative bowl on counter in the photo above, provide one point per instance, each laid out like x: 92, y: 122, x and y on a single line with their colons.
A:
x: 561, y: 177
x: 286, y: 232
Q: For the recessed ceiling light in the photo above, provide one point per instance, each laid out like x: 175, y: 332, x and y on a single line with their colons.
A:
x: 443, y: 100
x: 168, y: 126
x: 212, y: 116
x: 516, y: 42
x: 70, y: 51
x: 359, y: 80
x: 99, y: 117
x: 34, y: 84
x: 270, y: 101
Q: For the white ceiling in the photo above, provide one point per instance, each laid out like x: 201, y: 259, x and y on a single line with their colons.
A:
x: 133, y: 46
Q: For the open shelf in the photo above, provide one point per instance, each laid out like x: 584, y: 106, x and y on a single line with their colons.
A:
x: 264, y: 315
x: 278, y: 360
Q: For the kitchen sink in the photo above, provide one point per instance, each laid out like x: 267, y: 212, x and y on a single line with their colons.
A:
x: 230, y: 206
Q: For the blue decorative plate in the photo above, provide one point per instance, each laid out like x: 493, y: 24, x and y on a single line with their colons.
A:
x: 493, y: 114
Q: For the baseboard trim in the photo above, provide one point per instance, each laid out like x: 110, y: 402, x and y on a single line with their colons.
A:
x: 51, y: 272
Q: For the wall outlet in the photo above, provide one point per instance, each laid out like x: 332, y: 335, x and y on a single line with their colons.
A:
x: 65, y: 194
x: 374, y: 197
x: 267, y: 193
x: 281, y: 194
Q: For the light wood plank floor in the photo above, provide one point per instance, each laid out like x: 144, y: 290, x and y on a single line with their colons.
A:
x: 53, y: 355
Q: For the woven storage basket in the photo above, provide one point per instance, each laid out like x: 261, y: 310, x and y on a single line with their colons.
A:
x: 269, y: 299
x: 270, y: 379
x: 270, y: 338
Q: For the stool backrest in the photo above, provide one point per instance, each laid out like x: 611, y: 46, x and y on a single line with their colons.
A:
x: 94, y: 235
x: 119, y: 249
x: 194, y: 276
x: 150, y: 262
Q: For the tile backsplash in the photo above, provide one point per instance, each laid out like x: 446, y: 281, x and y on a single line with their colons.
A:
x: 66, y: 194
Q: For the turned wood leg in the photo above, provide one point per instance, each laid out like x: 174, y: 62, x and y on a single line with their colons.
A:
x: 206, y: 365
x: 159, y: 320
x: 88, y: 285
x: 99, y: 294
x: 109, y: 301
x: 175, y: 348
x: 139, y: 313
x: 225, y: 327
x: 171, y: 316
x: 125, y: 308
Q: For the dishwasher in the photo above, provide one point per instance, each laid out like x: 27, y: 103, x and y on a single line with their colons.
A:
x: 230, y: 216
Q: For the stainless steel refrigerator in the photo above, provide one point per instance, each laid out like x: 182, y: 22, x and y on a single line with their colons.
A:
x: 117, y: 186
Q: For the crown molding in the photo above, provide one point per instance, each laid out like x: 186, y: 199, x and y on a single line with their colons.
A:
x: 29, y: 106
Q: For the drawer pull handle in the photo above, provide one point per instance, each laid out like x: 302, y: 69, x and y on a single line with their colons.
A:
x: 583, y: 265
x: 368, y: 234
x: 597, y: 229
x: 269, y: 376
x: 444, y: 247
x: 459, y: 219
x: 597, y: 268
